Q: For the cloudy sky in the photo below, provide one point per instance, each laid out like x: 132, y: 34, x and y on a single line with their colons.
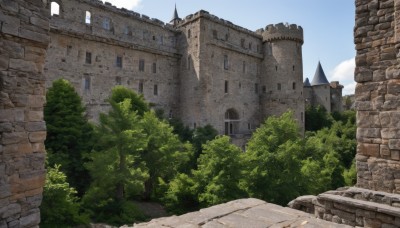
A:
x: 328, y: 26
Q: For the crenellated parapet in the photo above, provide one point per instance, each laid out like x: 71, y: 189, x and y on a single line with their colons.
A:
x: 282, y: 32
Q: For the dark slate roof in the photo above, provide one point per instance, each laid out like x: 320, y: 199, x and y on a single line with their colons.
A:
x: 175, y: 16
x: 307, y: 83
x: 319, y: 76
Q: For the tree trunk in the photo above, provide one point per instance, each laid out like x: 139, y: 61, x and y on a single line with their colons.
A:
x: 120, y: 184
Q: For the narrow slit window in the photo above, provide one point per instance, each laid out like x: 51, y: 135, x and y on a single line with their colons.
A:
x: 88, y: 18
x: 87, y: 83
x: 141, y: 65
x: 189, y: 60
x: 294, y: 85
x: 155, y: 90
x: 119, y: 62
x: 279, y: 86
x: 189, y: 33
x: 55, y: 8
x: 88, y: 59
x: 154, y: 67
x: 226, y: 86
x: 140, y: 87
x: 256, y: 88
x: 226, y: 62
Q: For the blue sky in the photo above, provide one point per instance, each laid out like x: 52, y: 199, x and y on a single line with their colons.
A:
x: 327, y: 24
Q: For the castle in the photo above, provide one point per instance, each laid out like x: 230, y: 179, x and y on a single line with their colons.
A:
x: 201, y: 69
x: 322, y: 92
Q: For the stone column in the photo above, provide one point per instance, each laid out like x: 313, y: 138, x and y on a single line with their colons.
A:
x: 377, y: 73
x: 24, y: 38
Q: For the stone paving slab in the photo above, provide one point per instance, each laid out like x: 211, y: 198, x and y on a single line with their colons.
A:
x: 242, y: 213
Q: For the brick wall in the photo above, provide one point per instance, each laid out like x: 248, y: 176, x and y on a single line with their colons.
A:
x: 23, y: 40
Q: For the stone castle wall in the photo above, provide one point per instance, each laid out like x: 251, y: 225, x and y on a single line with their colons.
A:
x: 205, y: 70
x: 376, y: 36
x: 23, y: 40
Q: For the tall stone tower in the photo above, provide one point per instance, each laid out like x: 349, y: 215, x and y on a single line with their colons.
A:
x: 282, y: 71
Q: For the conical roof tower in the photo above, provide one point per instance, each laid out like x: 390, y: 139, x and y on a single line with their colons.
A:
x: 306, y: 83
x: 319, y: 76
x: 175, y: 18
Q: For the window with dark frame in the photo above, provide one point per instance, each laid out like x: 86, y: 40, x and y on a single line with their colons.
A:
x: 88, y: 18
x: 155, y: 90
x: 119, y: 61
x: 88, y: 59
x: 140, y: 87
x: 87, y: 83
x: 226, y: 64
x: 294, y: 85
x: 154, y: 68
x: 226, y: 86
x: 141, y: 65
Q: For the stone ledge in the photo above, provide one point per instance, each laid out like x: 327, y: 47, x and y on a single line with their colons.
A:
x: 242, y: 213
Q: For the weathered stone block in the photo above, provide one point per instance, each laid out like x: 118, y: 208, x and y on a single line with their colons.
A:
x: 35, y: 126
x: 22, y: 65
x: 37, y: 137
x: 30, y: 220
x: 394, y: 144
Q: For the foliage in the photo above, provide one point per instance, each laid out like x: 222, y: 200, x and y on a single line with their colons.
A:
x: 216, y: 180
x: 184, y: 133
x: 317, y: 118
x: 138, y: 104
x: 164, y: 155
x: 350, y: 175
x: 273, y: 165
x: 60, y: 207
x: 69, y: 135
x: 201, y: 135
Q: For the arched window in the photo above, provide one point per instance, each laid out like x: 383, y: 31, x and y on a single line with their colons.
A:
x: 55, y: 8
x: 231, y: 122
x: 88, y: 18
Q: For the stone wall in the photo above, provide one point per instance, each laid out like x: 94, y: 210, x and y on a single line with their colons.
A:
x: 377, y: 40
x: 24, y: 37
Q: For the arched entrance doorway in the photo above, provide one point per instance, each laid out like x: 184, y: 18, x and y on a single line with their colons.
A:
x: 231, y: 122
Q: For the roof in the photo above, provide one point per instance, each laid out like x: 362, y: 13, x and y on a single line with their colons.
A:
x: 306, y: 83
x: 175, y: 16
x: 319, y: 76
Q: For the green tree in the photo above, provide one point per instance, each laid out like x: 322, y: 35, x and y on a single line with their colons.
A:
x: 317, y: 118
x: 201, y: 135
x: 60, y: 207
x: 164, y: 154
x: 138, y: 104
x: 69, y: 135
x: 216, y: 180
x: 273, y: 161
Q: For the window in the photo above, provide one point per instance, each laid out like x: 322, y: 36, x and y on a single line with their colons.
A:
x: 127, y: 31
x: 189, y: 33
x: 225, y: 62
x: 215, y: 34
x: 294, y: 85
x: 106, y: 23
x: 242, y: 43
x: 227, y: 36
x: 88, y: 18
x: 301, y: 117
x: 155, y: 90
x: 293, y: 67
x: 276, y: 68
x: 256, y: 88
x: 119, y: 62
x: 226, y: 86
x: 154, y: 68
x: 140, y: 87
x: 55, y: 8
x: 69, y: 49
x: 250, y: 44
x: 264, y: 89
x: 118, y: 80
x: 141, y: 65
x: 189, y: 60
x: 87, y: 83
x: 154, y: 37
x: 279, y: 86
x: 244, y: 67
x: 88, y: 59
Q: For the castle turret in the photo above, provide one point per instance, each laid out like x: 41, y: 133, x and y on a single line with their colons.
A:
x: 321, y: 89
x: 175, y: 18
x: 282, y: 71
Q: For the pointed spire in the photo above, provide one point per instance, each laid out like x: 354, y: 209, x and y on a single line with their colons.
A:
x: 175, y: 18
x: 319, y: 76
x: 307, y: 83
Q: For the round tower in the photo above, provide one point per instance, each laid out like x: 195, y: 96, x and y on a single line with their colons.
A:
x: 281, y: 77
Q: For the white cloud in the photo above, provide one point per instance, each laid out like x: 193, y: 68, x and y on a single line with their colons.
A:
x: 127, y: 4
x: 349, y: 88
x: 344, y: 71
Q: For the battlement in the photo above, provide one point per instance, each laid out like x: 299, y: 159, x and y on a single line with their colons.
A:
x: 282, y: 32
x: 205, y: 14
